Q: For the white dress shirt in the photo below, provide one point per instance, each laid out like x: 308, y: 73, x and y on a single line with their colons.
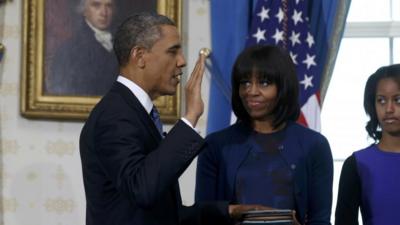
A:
x: 144, y: 98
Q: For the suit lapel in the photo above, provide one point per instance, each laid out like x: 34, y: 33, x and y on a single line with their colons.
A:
x: 134, y: 103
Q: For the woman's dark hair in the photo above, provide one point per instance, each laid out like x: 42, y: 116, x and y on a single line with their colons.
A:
x: 391, y: 72
x: 275, y: 65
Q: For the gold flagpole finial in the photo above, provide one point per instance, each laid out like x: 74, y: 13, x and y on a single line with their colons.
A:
x: 205, y: 51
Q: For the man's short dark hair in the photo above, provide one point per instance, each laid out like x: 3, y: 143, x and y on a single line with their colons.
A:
x: 385, y: 72
x: 141, y: 29
x: 275, y: 65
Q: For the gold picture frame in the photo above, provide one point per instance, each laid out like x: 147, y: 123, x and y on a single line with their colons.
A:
x: 36, y: 103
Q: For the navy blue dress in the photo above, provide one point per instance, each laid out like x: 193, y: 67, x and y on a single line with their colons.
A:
x: 238, y: 165
x: 264, y: 177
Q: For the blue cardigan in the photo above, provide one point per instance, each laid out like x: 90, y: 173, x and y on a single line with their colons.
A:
x: 306, y: 151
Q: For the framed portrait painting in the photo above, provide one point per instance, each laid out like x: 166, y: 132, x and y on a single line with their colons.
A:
x: 68, y: 60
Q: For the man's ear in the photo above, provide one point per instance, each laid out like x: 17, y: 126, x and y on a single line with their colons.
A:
x: 137, y: 56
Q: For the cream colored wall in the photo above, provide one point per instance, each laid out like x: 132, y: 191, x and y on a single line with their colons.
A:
x: 41, y: 181
x: 196, y: 35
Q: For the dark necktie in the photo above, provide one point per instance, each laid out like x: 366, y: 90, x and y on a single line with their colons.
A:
x: 155, y: 116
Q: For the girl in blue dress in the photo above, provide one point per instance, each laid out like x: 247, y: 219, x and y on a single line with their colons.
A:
x: 370, y: 178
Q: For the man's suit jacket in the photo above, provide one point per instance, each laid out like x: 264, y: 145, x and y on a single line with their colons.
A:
x: 82, y: 66
x: 305, y: 151
x: 130, y: 173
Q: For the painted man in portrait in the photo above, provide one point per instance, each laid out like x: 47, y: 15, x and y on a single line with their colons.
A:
x: 85, y: 65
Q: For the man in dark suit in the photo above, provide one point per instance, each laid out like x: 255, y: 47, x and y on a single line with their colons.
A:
x: 85, y: 65
x: 130, y: 168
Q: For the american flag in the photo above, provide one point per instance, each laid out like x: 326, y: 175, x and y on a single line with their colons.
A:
x: 284, y: 23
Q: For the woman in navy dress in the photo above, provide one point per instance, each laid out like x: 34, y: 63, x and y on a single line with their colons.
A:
x: 266, y: 157
x: 370, y: 178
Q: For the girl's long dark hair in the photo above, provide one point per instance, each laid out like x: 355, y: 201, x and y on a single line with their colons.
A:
x: 391, y: 72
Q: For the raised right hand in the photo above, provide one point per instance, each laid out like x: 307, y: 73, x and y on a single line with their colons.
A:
x: 194, y: 101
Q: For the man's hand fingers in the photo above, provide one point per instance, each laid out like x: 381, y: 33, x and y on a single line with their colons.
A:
x: 194, y: 102
x: 198, y: 71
